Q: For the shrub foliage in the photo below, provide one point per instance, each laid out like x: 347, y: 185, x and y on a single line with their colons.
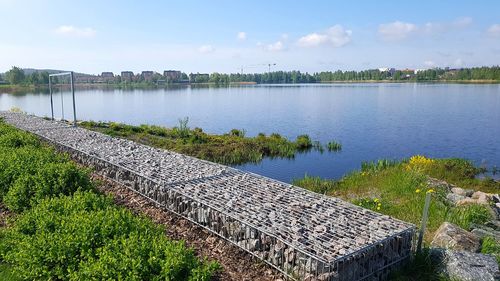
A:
x: 66, y: 231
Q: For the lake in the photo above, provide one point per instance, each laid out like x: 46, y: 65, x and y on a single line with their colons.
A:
x: 372, y: 121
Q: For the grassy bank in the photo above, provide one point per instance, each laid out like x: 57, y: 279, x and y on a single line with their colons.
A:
x: 398, y: 189
x: 231, y: 148
x: 65, y: 230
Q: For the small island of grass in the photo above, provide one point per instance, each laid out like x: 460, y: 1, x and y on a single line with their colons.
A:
x: 232, y: 148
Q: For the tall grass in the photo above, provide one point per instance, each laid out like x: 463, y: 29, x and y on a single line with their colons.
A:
x: 398, y: 189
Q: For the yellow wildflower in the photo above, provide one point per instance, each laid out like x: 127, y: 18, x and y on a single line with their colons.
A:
x: 378, y: 208
x: 430, y: 190
x: 417, y: 190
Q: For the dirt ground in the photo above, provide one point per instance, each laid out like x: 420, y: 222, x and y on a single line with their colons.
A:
x: 236, y: 263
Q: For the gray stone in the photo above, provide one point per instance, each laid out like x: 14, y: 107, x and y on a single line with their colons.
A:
x: 450, y: 236
x: 467, y: 266
x: 454, y: 197
x: 495, y: 198
x: 458, y: 190
x: 462, y: 192
x: 494, y: 224
x: 481, y: 233
x: 479, y: 194
x: 466, y: 201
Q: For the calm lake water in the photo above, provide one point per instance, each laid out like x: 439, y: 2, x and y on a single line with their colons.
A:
x: 372, y: 121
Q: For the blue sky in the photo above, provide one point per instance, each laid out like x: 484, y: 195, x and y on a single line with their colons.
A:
x: 208, y: 36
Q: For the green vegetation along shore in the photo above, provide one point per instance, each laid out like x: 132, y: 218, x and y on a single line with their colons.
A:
x: 61, y: 228
x: 398, y: 189
x: 16, y: 78
x: 231, y: 149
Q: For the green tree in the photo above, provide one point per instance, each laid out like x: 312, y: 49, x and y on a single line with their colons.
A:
x: 15, y: 75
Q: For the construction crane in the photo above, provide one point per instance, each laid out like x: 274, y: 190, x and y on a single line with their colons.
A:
x: 269, y: 65
x: 257, y: 65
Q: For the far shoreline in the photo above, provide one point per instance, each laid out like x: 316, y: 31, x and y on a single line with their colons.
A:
x: 12, y: 89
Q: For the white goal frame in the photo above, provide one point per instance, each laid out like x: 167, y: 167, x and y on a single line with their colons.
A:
x: 72, y: 82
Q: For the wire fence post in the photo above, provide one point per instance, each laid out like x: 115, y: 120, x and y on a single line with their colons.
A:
x: 73, y: 93
x: 425, y: 216
x: 72, y: 85
x: 51, y: 101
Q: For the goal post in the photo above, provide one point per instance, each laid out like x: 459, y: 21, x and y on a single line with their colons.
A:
x: 72, y: 82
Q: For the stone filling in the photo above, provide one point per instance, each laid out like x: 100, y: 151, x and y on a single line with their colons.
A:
x: 307, y: 236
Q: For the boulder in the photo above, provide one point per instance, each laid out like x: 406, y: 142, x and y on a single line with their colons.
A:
x: 479, y: 194
x: 467, y: 266
x: 483, y: 232
x: 495, y: 198
x: 466, y: 201
x: 462, y: 192
x: 454, y: 198
x: 494, y: 224
x: 450, y: 236
x: 458, y: 190
x: 483, y: 200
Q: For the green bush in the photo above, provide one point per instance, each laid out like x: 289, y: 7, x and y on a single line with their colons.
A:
x: 15, y: 162
x: 85, y: 237
x: 51, y: 180
x: 15, y: 139
x: 237, y: 133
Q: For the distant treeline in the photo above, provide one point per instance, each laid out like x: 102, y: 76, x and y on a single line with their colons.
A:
x: 17, y: 76
x: 437, y: 74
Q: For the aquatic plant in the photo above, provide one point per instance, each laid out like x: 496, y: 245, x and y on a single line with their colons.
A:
x: 334, y: 146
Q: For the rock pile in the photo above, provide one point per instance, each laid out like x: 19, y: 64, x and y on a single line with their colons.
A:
x: 457, y: 248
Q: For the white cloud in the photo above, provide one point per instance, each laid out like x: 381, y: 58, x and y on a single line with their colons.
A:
x: 275, y: 47
x: 462, y: 22
x: 206, y: 49
x: 399, y: 30
x: 494, y: 30
x: 396, y: 30
x: 433, y: 27
x: 241, y: 35
x: 440, y: 27
x: 429, y: 63
x: 69, y: 30
x: 335, y: 36
x: 458, y: 62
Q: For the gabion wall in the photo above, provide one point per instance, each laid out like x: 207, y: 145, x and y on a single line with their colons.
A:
x: 320, y: 252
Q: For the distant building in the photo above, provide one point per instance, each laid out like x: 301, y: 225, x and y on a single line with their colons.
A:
x: 172, y: 75
x: 199, y: 77
x: 127, y: 76
x: 86, y: 78
x: 107, y: 76
x: 419, y: 70
x: 147, y: 75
